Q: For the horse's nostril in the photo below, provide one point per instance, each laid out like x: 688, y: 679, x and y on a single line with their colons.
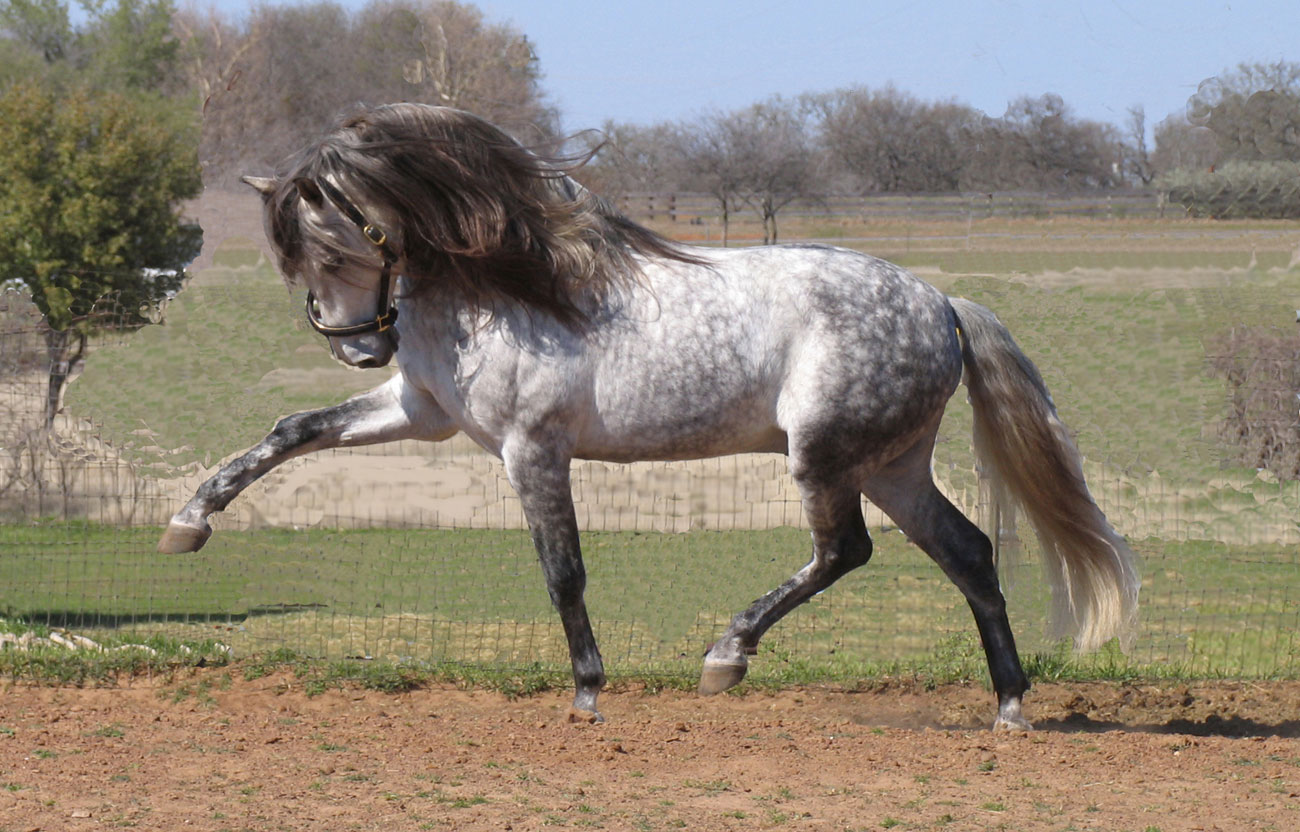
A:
x: 370, y: 363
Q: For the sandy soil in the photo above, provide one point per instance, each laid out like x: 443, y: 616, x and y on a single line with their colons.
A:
x: 211, y: 751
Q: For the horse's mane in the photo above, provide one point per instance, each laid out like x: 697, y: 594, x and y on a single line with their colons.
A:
x: 475, y: 210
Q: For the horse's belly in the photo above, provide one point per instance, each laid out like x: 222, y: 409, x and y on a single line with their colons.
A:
x: 668, y: 429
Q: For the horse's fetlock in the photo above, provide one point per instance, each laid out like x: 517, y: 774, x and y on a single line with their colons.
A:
x: 729, y: 650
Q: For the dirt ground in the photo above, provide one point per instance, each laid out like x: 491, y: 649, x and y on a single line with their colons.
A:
x: 212, y: 751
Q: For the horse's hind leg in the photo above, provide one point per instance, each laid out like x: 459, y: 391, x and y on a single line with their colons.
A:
x: 840, y: 544
x: 905, y: 491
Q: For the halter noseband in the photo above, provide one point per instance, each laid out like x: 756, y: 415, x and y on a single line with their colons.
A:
x: 385, y: 312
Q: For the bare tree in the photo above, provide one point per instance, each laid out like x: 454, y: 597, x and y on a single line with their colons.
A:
x: 1138, y: 162
x: 1181, y: 145
x: 763, y: 157
x: 888, y: 141
x: 212, y: 49
x: 274, y: 82
x: 1039, y: 144
x: 710, y: 162
x: 627, y: 158
x: 1253, y: 112
x: 446, y: 53
x: 214, y: 61
x: 278, y: 79
x: 777, y: 161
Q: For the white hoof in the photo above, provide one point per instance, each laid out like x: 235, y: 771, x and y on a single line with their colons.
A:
x: 719, y: 676
x: 181, y: 538
x: 1010, y: 718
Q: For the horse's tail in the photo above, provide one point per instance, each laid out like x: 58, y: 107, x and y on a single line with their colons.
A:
x: 1023, y: 448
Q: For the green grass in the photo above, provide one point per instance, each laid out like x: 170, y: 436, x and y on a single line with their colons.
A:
x: 119, y: 655
x: 216, y: 375
x: 468, y: 595
x: 472, y: 597
x: 1127, y: 365
x: 1126, y: 362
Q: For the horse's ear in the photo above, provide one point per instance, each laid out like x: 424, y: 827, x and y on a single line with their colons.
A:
x: 310, y: 191
x: 262, y: 184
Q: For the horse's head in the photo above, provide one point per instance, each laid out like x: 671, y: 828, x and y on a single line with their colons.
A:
x: 346, y: 261
x: 457, y: 204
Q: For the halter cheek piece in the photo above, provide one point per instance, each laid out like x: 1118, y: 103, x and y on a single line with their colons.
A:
x: 385, y: 311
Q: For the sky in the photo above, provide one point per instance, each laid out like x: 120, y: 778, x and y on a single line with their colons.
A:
x: 657, y: 60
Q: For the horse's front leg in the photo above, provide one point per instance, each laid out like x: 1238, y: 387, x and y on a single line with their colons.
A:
x: 388, y: 413
x: 540, y: 475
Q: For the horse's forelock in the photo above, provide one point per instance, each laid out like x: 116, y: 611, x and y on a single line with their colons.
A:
x: 283, y: 228
x: 290, y: 234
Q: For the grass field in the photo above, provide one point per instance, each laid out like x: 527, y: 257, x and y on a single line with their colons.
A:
x: 209, y: 380
x: 658, y: 599
x: 1117, y: 315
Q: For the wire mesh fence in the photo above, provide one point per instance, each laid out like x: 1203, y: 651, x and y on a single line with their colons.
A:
x: 419, y: 552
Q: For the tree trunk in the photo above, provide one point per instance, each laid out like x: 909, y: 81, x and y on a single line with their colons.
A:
x: 769, y: 221
x: 65, y: 348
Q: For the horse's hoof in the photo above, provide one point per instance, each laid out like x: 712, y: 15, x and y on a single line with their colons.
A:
x: 719, y: 676
x: 1011, y: 717
x: 1017, y: 724
x: 180, y: 538
x: 581, y: 716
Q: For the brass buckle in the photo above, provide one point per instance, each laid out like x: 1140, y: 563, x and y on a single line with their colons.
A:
x: 375, y: 234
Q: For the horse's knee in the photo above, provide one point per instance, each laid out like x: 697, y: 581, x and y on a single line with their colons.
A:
x: 295, y: 430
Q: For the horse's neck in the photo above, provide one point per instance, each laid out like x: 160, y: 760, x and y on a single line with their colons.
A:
x: 451, y: 328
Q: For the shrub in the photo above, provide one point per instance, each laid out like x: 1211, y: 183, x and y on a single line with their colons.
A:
x: 1262, y: 369
x: 1237, y: 190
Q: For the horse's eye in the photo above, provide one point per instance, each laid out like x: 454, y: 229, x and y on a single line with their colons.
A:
x: 333, y: 263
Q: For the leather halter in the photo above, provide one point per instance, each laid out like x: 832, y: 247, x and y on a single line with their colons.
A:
x: 385, y: 310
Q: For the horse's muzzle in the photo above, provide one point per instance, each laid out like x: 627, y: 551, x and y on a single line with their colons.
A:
x: 374, y: 349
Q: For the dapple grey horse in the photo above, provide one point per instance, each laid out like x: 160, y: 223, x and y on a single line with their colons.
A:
x: 548, y: 327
